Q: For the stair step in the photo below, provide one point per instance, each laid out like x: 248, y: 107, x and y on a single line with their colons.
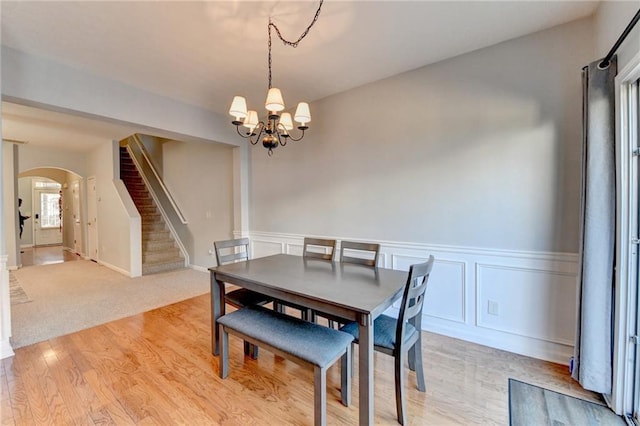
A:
x: 144, y: 203
x: 147, y: 209
x: 152, y: 245
x: 151, y: 217
x: 166, y: 255
x: 139, y: 194
x: 135, y: 186
x: 153, y: 268
x: 155, y: 235
x: 153, y: 226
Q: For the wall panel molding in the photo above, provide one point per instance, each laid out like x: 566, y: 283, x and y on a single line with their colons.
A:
x: 518, y: 301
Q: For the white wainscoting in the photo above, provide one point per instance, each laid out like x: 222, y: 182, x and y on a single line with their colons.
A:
x: 522, y: 302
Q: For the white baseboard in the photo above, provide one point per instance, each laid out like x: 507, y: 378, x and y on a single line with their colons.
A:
x: 532, y: 295
x: 6, y: 350
x: 115, y: 268
x: 199, y: 268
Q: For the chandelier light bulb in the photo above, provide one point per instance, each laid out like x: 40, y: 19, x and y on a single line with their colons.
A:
x: 274, y: 103
x: 238, y: 108
x: 303, y: 115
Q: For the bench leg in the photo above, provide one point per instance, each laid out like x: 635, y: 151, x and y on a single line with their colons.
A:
x: 251, y: 350
x: 320, y: 396
x: 346, y: 368
x: 224, y: 352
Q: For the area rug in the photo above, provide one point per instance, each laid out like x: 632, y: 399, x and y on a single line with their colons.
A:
x: 16, y: 292
x: 536, y: 406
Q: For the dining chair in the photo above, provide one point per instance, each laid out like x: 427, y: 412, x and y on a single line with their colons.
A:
x: 237, y: 250
x: 360, y: 253
x: 318, y: 243
x: 402, y: 337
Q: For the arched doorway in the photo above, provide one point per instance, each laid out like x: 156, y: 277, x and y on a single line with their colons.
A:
x: 52, y: 200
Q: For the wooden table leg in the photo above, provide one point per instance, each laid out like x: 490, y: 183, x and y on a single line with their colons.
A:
x: 217, y: 310
x: 365, y: 378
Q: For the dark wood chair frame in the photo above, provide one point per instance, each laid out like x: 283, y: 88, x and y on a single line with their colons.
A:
x: 370, y: 249
x: 318, y: 242
x: 235, y: 297
x: 410, y: 312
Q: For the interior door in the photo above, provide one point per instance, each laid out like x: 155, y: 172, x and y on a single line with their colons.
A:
x: 92, y: 222
x: 47, y: 228
x: 77, y: 221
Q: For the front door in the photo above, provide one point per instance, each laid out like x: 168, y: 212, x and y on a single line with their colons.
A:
x: 47, y: 217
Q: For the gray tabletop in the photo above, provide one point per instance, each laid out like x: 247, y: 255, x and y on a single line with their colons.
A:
x: 356, y: 288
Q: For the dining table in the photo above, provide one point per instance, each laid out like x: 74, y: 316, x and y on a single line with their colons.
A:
x: 349, y: 291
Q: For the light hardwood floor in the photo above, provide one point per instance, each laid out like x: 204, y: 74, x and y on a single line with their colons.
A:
x: 45, y: 255
x: 156, y: 368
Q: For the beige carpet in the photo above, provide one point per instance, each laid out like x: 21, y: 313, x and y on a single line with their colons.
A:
x: 71, y: 296
x: 17, y: 294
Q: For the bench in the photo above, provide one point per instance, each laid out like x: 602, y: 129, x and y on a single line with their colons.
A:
x: 307, y: 344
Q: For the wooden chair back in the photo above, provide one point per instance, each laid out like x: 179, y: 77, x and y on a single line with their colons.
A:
x: 413, y: 298
x: 366, y: 253
x: 328, y: 247
x: 230, y: 251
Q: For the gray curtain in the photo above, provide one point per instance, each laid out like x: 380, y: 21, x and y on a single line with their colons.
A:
x: 592, y: 363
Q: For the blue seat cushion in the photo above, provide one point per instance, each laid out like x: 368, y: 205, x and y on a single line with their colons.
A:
x: 243, y: 297
x: 384, y: 331
x: 311, y: 342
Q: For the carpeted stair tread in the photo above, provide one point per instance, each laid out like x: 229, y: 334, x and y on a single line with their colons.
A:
x: 155, y: 267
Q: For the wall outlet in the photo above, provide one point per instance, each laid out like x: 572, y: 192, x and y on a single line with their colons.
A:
x: 493, y: 307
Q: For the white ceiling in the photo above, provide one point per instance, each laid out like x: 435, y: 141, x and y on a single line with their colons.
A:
x: 203, y: 53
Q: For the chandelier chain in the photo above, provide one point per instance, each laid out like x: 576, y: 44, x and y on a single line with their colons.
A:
x: 288, y: 42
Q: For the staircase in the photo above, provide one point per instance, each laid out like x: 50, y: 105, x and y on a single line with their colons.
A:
x: 159, y: 250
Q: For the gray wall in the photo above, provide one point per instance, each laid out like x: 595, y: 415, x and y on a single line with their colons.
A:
x: 482, y: 150
x: 200, y: 178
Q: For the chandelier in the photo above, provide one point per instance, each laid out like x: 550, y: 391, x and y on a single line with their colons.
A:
x: 275, y: 130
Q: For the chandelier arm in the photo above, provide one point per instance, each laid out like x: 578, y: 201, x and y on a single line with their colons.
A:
x: 244, y: 135
x: 261, y: 126
x: 280, y: 138
x: 296, y: 140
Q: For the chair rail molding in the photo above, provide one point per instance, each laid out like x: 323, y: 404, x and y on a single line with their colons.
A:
x: 519, y: 301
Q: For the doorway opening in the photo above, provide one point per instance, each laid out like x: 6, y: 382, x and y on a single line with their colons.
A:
x: 52, y: 203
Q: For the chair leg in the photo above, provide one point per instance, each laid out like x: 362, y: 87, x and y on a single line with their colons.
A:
x: 320, y: 396
x: 417, y: 351
x: 400, y: 405
x: 353, y: 359
x: 346, y: 367
x: 224, y: 352
x: 331, y: 323
x: 412, y: 358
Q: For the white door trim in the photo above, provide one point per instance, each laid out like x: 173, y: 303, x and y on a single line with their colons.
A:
x: 621, y: 398
x: 92, y: 219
